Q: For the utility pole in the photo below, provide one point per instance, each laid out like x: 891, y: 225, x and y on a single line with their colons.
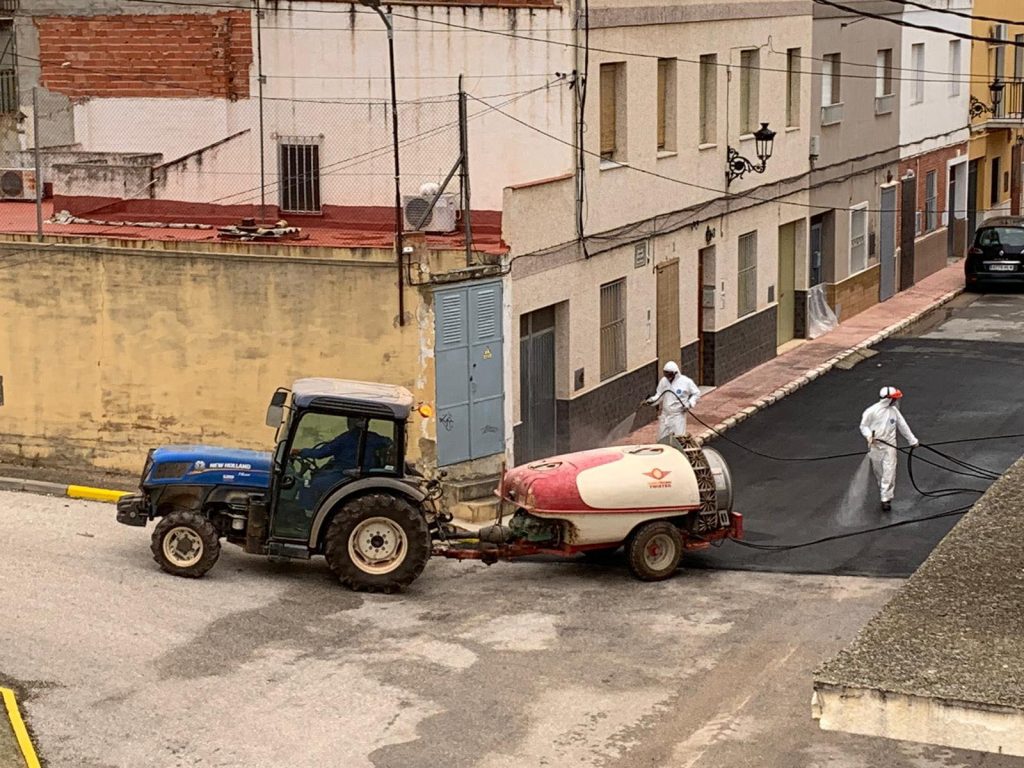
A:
x: 467, y: 205
x: 39, y: 164
x: 399, y: 255
x: 260, y: 80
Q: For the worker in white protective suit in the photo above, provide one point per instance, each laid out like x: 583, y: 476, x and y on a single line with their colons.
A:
x: 878, y: 425
x: 675, y: 395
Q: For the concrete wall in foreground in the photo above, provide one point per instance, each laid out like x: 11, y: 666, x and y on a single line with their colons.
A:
x: 106, y: 352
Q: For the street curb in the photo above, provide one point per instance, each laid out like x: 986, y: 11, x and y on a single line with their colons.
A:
x: 801, y: 381
x: 57, y: 489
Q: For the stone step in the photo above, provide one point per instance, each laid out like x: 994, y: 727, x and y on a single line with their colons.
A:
x: 475, y: 510
x: 472, y: 489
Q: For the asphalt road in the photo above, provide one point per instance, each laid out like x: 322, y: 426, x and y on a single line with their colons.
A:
x: 960, y: 379
x: 519, y: 665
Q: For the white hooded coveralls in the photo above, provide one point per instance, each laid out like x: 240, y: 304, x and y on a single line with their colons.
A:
x: 674, y: 398
x: 878, y: 425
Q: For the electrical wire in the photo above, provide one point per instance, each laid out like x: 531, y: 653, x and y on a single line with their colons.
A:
x: 724, y: 193
x: 925, y: 27
x: 569, y: 44
x: 961, y: 14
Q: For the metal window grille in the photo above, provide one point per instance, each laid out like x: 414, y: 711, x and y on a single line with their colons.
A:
x: 746, y: 275
x: 931, y: 207
x: 858, y: 240
x: 613, y: 328
x: 8, y: 70
x: 299, y: 170
x: 8, y: 6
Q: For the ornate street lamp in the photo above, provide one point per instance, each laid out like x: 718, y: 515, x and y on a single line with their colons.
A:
x: 995, y: 92
x: 736, y: 166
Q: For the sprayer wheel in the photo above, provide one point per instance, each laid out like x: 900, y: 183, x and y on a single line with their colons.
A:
x: 654, y: 550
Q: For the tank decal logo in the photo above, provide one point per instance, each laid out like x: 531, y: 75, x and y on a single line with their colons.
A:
x: 658, y: 478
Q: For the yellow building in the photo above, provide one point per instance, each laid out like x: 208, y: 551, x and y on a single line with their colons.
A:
x: 997, y: 114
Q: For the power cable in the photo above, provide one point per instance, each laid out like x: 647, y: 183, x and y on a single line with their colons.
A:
x: 569, y: 44
x: 961, y: 14
x: 724, y: 194
x: 925, y: 27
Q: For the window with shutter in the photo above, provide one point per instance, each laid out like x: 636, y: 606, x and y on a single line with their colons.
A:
x: 708, y: 98
x: 609, y: 109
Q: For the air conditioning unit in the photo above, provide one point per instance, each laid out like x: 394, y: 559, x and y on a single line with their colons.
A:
x: 17, y: 184
x: 440, y: 219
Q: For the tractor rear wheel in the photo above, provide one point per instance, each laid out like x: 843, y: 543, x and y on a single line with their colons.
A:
x: 186, y: 544
x: 377, y: 543
x: 654, y: 551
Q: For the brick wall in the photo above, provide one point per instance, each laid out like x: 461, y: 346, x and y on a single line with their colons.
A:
x: 921, y: 166
x: 182, y: 55
x: 740, y: 347
x: 855, y: 294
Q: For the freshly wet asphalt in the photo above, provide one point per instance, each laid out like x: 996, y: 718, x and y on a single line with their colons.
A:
x: 961, y: 379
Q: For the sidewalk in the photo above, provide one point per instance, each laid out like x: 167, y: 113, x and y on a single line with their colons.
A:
x: 758, y: 388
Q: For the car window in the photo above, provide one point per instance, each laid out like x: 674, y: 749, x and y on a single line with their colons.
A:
x: 1004, y: 236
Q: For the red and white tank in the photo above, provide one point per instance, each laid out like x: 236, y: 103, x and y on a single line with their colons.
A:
x: 606, y: 492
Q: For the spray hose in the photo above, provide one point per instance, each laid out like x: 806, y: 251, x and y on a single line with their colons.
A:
x: 962, y: 468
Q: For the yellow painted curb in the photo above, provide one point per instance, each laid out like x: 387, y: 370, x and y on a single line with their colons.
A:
x: 94, y: 494
x: 20, y: 731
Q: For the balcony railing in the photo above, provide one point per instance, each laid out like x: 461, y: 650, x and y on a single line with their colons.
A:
x: 8, y: 91
x: 1011, y: 106
x: 884, y: 104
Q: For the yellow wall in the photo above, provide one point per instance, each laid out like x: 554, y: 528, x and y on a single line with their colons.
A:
x: 108, y: 351
x: 992, y: 142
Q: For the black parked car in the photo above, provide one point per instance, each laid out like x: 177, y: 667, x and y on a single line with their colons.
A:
x: 997, y: 255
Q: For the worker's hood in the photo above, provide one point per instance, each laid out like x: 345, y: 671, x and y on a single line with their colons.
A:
x: 208, y: 464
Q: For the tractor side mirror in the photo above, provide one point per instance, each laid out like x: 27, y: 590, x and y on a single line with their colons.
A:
x: 275, y: 411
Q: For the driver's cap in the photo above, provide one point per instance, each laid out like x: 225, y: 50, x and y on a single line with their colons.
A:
x: 890, y: 393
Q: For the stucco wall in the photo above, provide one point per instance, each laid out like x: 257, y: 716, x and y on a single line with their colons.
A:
x: 106, y: 352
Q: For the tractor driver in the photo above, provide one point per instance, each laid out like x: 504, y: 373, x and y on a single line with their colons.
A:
x: 343, y: 452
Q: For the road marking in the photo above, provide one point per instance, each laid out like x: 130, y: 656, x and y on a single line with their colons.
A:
x: 20, y: 731
x: 94, y: 494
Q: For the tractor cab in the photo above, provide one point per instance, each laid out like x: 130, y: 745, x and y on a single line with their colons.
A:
x: 334, y: 438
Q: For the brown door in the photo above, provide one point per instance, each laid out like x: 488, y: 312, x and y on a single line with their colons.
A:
x: 785, y: 284
x: 668, y: 312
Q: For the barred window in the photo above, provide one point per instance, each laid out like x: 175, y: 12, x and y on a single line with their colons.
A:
x: 299, y: 170
x: 931, y: 205
x: 746, y: 276
x: 613, y: 328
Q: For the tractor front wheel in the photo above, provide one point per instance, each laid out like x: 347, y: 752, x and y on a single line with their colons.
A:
x: 654, y: 551
x: 377, y: 543
x: 186, y: 544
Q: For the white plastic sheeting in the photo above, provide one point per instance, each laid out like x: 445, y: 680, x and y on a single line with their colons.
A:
x: 820, y: 317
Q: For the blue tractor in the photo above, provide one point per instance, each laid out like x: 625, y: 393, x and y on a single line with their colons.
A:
x: 337, y: 484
